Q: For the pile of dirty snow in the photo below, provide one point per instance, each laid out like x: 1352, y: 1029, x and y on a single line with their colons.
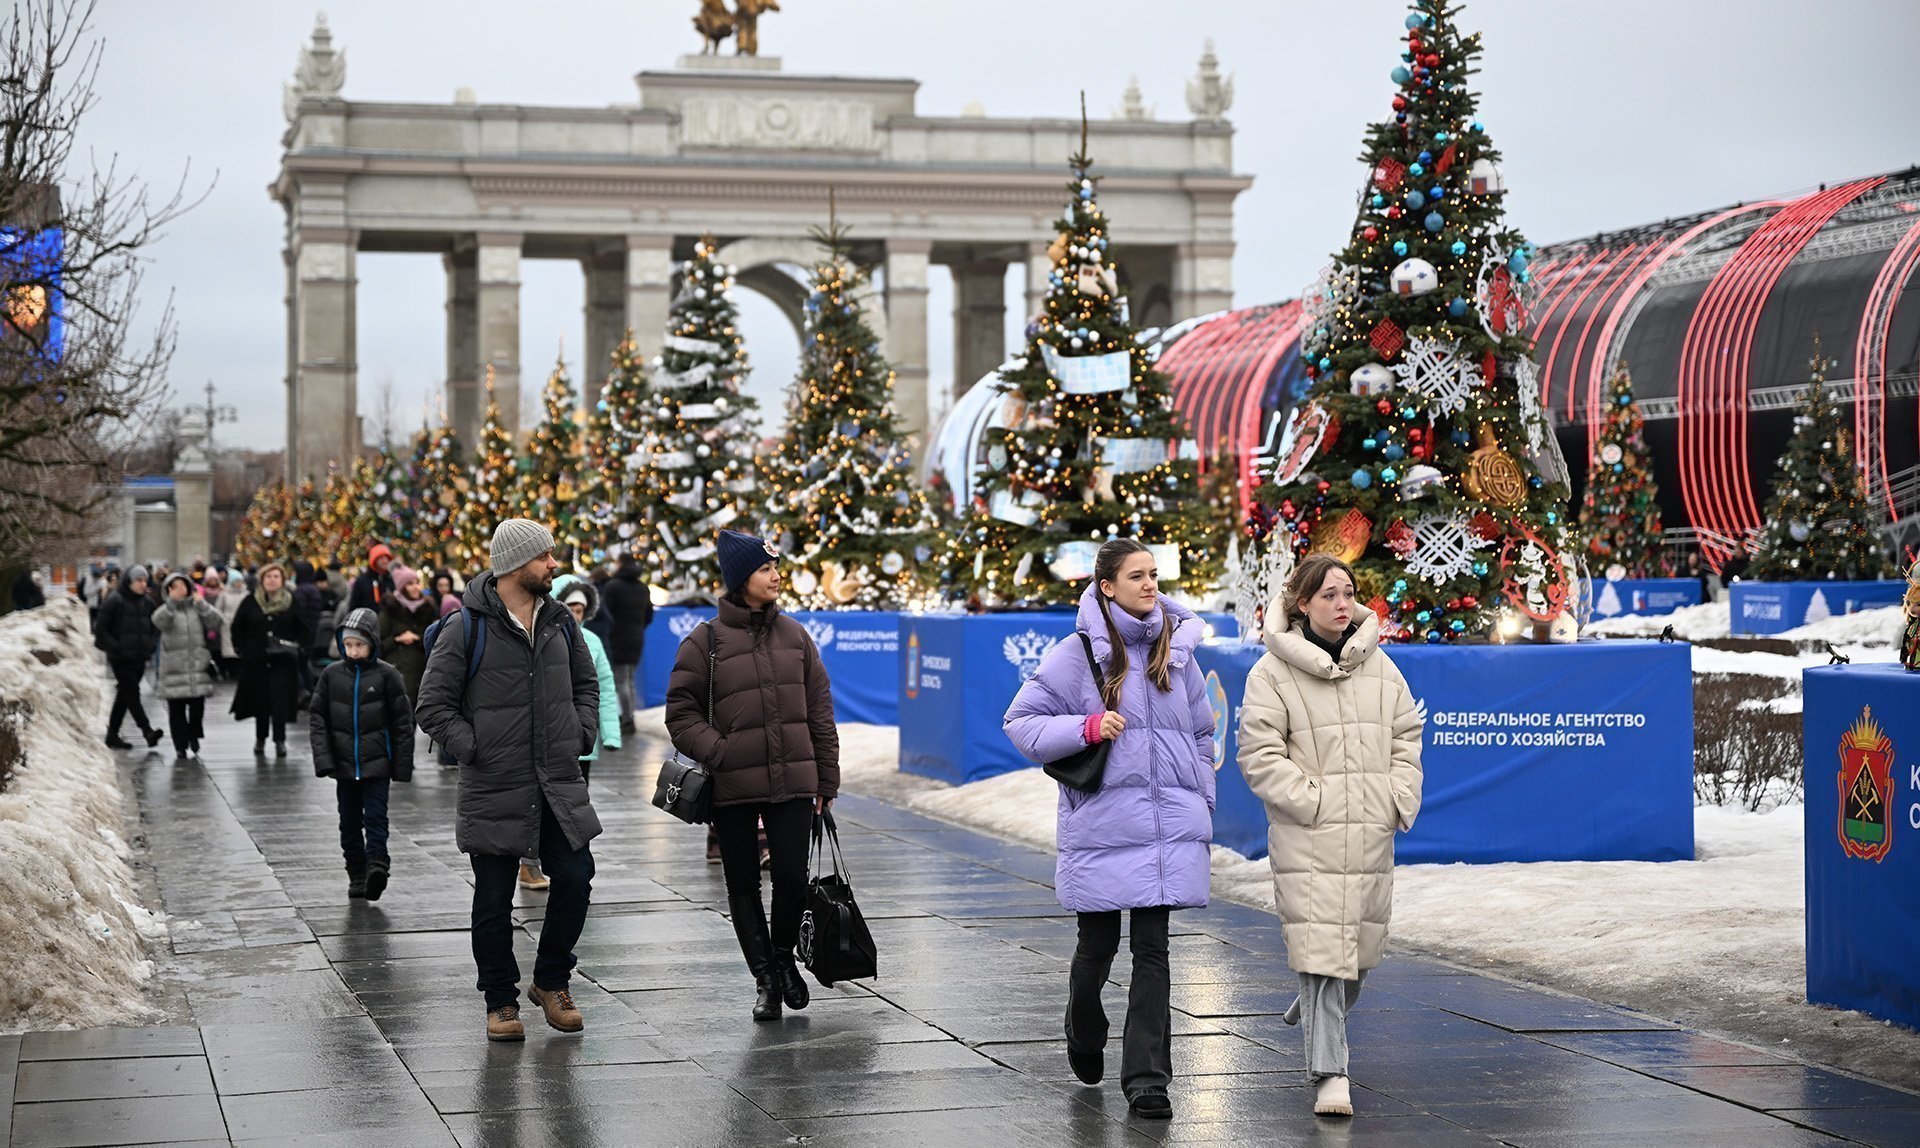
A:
x: 1880, y: 626
x: 1690, y: 623
x: 72, y: 935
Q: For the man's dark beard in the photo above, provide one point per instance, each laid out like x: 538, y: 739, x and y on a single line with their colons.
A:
x: 536, y: 580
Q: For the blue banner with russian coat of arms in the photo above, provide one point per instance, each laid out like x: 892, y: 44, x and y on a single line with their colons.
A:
x: 958, y: 673
x: 860, y: 648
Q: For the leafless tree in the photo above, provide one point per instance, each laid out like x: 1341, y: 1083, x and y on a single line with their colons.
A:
x: 76, y: 385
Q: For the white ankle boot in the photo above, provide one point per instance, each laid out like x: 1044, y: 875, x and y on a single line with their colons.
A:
x: 1332, y: 1098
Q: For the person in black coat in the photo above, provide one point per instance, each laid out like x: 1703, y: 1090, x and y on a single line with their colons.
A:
x: 27, y: 594
x: 272, y: 640
x: 375, y: 584
x: 124, y: 632
x: 361, y: 725
x: 628, y: 605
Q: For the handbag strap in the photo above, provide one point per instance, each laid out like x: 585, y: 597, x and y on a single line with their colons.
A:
x: 1086, y: 644
x: 826, y: 843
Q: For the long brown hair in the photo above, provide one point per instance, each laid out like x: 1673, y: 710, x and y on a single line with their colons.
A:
x: 1307, y: 579
x: 1106, y: 568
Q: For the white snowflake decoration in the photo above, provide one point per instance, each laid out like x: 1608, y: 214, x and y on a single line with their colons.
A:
x: 1543, y: 448
x: 1338, y: 286
x: 1434, y: 370
x: 1254, y: 578
x: 1442, y: 547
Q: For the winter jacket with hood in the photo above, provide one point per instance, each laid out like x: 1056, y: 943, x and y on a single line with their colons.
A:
x: 183, y: 627
x: 124, y: 628
x: 1144, y: 838
x: 602, y: 668
x: 629, y: 604
x: 518, y: 727
x: 773, y: 738
x: 397, y: 618
x: 372, y: 589
x: 360, y: 720
x: 1334, y: 752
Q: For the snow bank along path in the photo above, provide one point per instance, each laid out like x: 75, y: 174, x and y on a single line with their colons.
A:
x: 72, y: 937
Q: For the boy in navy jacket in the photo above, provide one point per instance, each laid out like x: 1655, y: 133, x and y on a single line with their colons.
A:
x: 362, y: 728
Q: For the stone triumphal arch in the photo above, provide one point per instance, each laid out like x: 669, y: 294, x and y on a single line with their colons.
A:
x: 731, y: 146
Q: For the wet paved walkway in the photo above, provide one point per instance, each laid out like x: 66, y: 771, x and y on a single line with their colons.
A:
x: 319, y: 1021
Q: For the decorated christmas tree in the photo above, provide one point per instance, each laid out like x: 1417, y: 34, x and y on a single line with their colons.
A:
x: 262, y: 536
x: 1087, y: 445
x: 383, y: 506
x: 697, y: 428
x: 437, y: 478
x: 1421, y: 454
x: 548, y: 491
x: 1819, y: 522
x: 489, y: 500
x: 610, y: 519
x: 841, y: 496
x: 304, y: 536
x: 1620, y: 514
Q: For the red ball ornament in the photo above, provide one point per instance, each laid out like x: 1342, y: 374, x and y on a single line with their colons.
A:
x: 1393, y: 212
x: 1323, y: 486
x: 1399, y: 103
x: 1383, y: 406
x: 1469, y: 602
x: 1416, y: 434
x: 1413, y: 43
x: 1431, y: 60
x: 1371, y: 234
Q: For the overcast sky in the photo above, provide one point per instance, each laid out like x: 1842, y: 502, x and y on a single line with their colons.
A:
x: 1609, y: 114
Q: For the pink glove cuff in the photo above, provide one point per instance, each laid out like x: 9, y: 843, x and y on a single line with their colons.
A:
x: 1091, y: 731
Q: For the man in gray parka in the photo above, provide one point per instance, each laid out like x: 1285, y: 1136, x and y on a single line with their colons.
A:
x: 510, y: 691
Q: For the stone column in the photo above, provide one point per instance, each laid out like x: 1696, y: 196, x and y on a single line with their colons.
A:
x: 323, y: 404
x: 979, y: 320
x: 906, y: 339
x: 1202, y: 279
x: 463, y: 341
x: 649, y: 290
x: 606, y: 314
x: 497, y: 305
x: 192, y: 493
x: 1039, y: 266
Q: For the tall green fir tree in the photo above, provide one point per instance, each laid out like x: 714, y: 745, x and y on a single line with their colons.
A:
x: 698, y: 428
x: 1820, y: 525
x: 841, y: 495
x: 1620, y: 510
x: 548, y: 490
x: 1087, y: 445
x: 1421, y: 454
x: 490, y: 499
x: 611, y: 519
x: 437, y: 477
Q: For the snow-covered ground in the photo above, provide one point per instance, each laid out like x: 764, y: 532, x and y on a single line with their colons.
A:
x: 72, y: 935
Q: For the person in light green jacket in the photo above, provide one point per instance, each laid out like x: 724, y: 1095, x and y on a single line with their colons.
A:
x: 579, y: 595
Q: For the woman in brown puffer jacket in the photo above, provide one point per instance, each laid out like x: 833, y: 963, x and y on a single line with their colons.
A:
x: 772, y: 748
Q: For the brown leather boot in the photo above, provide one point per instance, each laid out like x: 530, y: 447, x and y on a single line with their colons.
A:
x: 532, y: 878
x: 503, y: 1023
x: 558, y: 1005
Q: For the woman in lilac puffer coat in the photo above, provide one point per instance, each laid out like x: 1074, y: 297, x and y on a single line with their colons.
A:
x: 1143, y: 840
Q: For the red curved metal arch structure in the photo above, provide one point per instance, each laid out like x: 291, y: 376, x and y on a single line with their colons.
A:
x: 1870, y: 363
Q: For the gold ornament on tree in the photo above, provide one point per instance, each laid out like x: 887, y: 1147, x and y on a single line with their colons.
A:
x: 1492, y: 474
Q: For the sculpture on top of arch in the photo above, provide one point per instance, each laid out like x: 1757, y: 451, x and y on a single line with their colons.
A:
x: 715, y: 23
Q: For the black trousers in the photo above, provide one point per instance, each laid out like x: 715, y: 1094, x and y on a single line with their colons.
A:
x: 363, y: 820
x: 494, y: 880
x: 1146, y: 1045
x: 788, y: 824
x: 184, y: 721
x: 126, y: 696
x: 262, y: 721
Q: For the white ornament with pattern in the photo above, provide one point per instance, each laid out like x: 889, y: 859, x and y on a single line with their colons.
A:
x: 1442, y: 547
x: 1434, y: 370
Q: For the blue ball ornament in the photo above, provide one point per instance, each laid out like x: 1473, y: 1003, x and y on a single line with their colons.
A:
x: 1408, y: 413
x: 1480, y: 569
x: 1433, y: 637
x: 1440, y: 137
x: 1416, y: 169
x: 1460, y: 438
x: 1400, y: 247
x: 1424, y: 616
x: 1401, y: 75
x: 1378, y: 200
x: 1368, y: 444
x: 1388, y: 474
x: 1552, y: 518
x: 1517, y: 262
x: 1456, y: 307
x: 1436, y: 193
x: 1426, y: 157
x: 1400, y: 584
x: 1414, y: 20
x: 1435, y: 221
x: 1326, y: 364
x: 1625, y: 399
x: 1535, y: 481
x: 1475, y: 127
x: 1619, y: 468
x: 1459, y: 247
x: 1393, y: 453
x: 1457, y: 626
x: 1415, y: 200
x: 1361, y: 480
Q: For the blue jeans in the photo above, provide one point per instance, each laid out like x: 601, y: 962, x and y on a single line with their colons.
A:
x: 494, y: 880
x: 363, y: 818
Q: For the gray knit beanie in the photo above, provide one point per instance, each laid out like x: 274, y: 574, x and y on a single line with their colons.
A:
x: 516, y: 542
x: 136, y: 572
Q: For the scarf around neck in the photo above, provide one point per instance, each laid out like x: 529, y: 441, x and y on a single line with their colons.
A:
x: 273, y: 603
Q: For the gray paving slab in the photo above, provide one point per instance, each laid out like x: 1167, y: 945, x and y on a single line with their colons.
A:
x: 319, y: 1020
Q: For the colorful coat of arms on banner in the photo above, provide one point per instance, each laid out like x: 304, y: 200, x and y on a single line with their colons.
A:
x: 1866, y: 789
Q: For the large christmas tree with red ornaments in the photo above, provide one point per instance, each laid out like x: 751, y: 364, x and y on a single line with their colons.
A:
x: 1421, y: 454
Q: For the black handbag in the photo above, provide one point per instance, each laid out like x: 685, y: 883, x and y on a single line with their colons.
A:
x: 685, y: 788
x: 1083, y: 768
x: 835, y: 943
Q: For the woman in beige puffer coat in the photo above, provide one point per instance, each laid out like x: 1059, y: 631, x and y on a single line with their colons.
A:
x: 1330, y: 741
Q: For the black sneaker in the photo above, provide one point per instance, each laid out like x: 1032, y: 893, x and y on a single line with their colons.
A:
x: 153, y: 738
x: 115, y: 741
x: 356, y: 880
x: 1088, y: 1067
x: 1152, y: 1104
x: 377, y: 870
x: 259, y: 749
x: 279, y: 749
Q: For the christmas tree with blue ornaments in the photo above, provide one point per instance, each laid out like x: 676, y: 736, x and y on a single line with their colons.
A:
x: 1087, y: 444
x: 1421, y: 454
x: 1620, y: 511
